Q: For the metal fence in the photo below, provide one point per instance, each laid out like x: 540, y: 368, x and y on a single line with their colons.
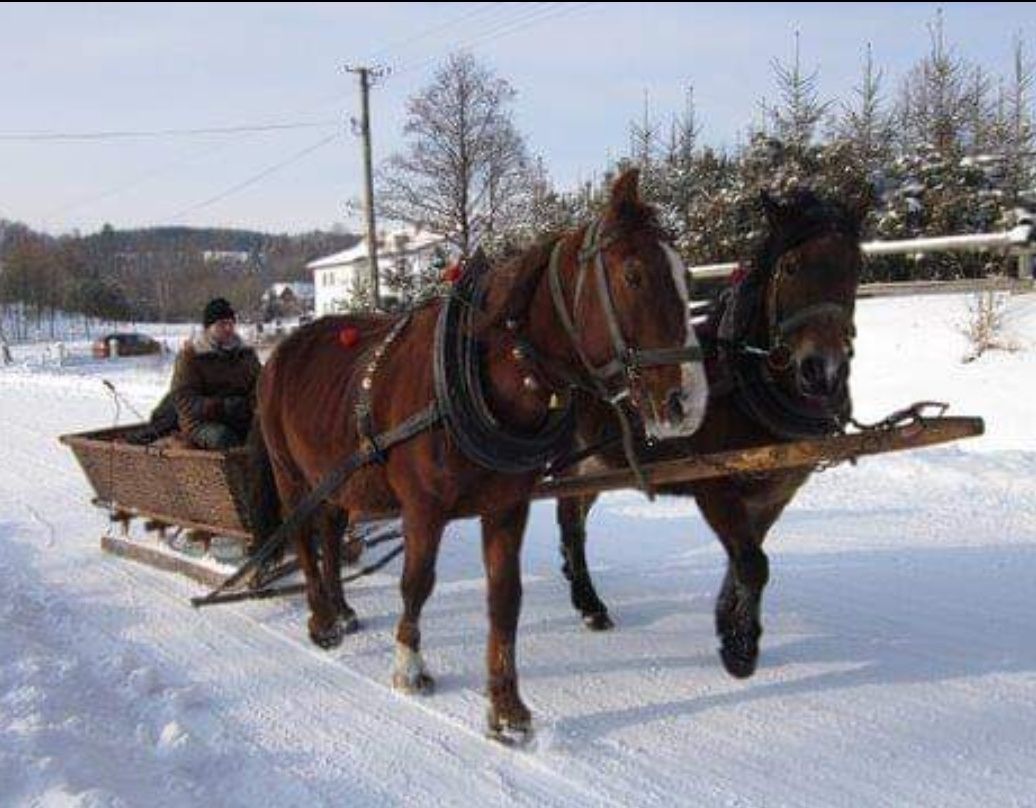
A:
x: 1018, y: 243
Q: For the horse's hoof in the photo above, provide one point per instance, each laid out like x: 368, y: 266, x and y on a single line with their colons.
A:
x: 328, y: 638
x: 598, y: 621
x: 513, y: 729
x: 739, y: 660
x: 421, y: 685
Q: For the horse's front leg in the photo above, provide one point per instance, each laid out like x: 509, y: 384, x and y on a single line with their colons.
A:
x: 571, y: 515
x: 741, y: 513
x: 501, y: 546
x: 422, y: 528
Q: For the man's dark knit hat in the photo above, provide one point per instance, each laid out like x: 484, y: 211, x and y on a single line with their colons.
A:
x: 217, y: 309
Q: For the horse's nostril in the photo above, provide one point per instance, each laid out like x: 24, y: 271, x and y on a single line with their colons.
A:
x: 813, y: 367
x: 674, y: 406
x: 813, y: 371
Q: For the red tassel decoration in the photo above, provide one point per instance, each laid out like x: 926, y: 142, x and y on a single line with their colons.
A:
x: 349, y: 336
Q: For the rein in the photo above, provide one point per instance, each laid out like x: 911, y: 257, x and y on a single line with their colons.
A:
x: 460, y: 404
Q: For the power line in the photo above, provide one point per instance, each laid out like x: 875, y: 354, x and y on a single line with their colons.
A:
x: 529, y: 11
x: 143, y: 178
x: 487, y: 8
x: 154, y: 133
x: 530, y: 17
x: 139, y: 180
x: 257, y: 177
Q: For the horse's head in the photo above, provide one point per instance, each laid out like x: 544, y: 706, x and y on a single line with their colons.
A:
x: 623, y: 291
x: 810, y: 263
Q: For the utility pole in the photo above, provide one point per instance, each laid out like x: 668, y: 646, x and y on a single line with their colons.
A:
x: 366, y: 74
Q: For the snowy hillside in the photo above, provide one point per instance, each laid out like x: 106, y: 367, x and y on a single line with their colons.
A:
x: 898, y: 664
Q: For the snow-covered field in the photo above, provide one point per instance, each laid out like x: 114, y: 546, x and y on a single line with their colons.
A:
x: 898, y: 666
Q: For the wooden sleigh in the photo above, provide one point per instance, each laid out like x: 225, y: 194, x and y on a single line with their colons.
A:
x: 173, y: 489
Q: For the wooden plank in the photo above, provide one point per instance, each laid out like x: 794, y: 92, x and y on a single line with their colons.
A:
x: 154, y: 557
x: 926, y: 432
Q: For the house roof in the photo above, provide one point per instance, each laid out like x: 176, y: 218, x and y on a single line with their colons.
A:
x: 392, y: 244
x: 299, y: 289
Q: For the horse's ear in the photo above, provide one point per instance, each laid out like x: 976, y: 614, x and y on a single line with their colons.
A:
x: 478, y: 262
x: 858, y: 203
x: 625, y: 192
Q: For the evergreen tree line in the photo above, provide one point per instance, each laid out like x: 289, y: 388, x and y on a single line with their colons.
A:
x: 951, y: 150
x: 954, y: 152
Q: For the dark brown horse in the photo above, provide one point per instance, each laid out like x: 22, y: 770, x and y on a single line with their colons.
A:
x: 779, y: 347
x: 341, y: 380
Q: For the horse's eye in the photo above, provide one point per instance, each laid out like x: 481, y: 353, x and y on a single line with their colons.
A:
x: 631, y: 273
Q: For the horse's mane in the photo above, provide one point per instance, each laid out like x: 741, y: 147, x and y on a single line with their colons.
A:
x: 513, y: 284
x: 635, y: 216
x: 793, y: 219
x: 798, y: 216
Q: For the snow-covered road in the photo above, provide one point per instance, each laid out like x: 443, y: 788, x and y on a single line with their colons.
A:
x: 898, y: 666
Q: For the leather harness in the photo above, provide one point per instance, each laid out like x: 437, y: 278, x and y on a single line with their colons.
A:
x: 460, y: 404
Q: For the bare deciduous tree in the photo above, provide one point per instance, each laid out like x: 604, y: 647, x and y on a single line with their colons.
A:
x: 465, y: 162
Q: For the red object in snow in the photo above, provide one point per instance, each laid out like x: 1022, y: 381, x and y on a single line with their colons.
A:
x: 452, y: 273
x: 349, y: 336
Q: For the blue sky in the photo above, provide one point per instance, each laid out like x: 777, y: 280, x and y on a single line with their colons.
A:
x: 580, y: 71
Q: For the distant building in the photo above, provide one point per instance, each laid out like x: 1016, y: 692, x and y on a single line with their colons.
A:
x: 226, y: 256
x: 288, y: 299
x: 339, y: 277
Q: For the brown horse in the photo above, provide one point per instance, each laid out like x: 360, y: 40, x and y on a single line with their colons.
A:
x: 340, y: 382
x: 779, y: 347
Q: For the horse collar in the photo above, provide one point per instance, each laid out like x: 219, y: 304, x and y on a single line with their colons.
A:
x: 459, y: 390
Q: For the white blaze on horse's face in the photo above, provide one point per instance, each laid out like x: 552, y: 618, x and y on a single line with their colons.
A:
x: 694, y: 387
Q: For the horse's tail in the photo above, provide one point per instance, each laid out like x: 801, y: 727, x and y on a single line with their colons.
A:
x: 264, y: 502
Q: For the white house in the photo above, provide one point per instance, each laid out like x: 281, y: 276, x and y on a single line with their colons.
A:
x: 298, y: 294
x: 337, y: 277
x: 287, y: 300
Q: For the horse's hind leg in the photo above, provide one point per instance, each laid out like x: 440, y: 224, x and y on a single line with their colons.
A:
x: 501, y: 546
x: 332, y: 523
x: 741, y: 513
x: 422, y: 530
x: 325, y: 629
x: 571, y: 515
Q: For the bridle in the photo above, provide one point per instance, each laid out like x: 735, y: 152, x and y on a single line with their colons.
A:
x: 777, y: 352
x: 755, y: 369
x: 627, y: 361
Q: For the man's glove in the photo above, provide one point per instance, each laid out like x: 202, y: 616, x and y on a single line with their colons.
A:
x: 237, y: 410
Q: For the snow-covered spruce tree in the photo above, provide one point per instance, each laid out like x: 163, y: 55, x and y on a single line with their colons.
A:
x: 939, y: 184
x: 1015, y: 137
